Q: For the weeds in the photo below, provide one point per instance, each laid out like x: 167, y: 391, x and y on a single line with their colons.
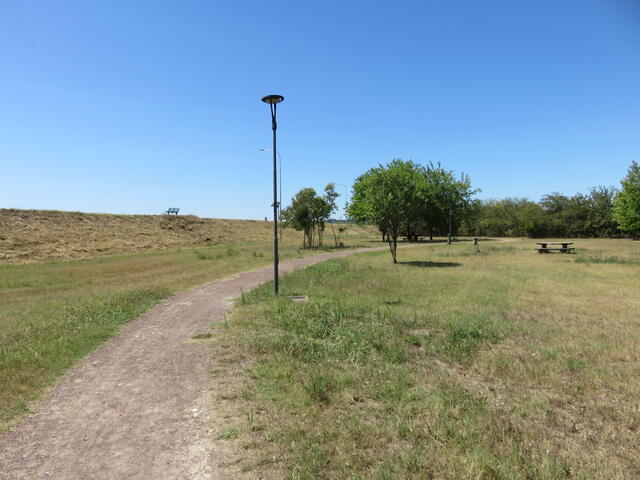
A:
x: 202, y: 336
x: 318, y: 385
x: 205, y: 256
x: 465, y: 333
x: 228, y: 434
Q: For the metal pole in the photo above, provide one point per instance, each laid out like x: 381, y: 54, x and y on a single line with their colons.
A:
x: 449, y: 240
x: 280, y: 201
x: 280, y: 180
x: 346, y: 199
x: 274, y: 127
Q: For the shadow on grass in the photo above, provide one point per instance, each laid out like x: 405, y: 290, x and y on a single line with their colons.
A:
x: 426, y: 241
x: 420, y: 263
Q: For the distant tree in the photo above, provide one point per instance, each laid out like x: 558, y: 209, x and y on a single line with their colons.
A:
x: 445, y: 198
x: 626, y: 207
x: 330, y: 197
x: 300, y: 214
x: 556, y: 206
x: 554, y: 202
x: 387, y: 196
x: 601, y: 222
x: 470, y: 223
x: 556, y: 215
x: 506, y: 217
x: 309, y: 213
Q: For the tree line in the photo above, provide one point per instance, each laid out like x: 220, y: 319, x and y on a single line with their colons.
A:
x: 555, y: 215
x: 406, y: 199
x: 602, y: 212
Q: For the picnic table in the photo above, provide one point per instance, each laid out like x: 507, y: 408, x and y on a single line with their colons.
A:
x: 564, y: 248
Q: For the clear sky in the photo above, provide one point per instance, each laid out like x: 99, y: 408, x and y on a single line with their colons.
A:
x: 136, y: 106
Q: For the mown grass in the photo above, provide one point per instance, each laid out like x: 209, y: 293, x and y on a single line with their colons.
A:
x: 505, y: 365
x: 53, y: 314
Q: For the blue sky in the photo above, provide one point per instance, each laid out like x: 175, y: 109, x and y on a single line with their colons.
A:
x: 132, y: 107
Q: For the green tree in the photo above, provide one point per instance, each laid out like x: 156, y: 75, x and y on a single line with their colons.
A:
x: 309, y: 212
x: 601, y: 222
x: 388, y: 196
x: 507, y: 217
x: 446, y: 199
x: 626, y: 207
x: 556, y: 206
x: 299, y: 214
x: 330, y: 196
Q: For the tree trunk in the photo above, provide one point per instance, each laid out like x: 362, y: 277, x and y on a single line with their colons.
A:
x: 308, y: 238
x: 335, y: 239
x: 395, y: 249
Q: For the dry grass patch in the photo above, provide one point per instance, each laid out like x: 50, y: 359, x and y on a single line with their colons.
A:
x: 28, y: 236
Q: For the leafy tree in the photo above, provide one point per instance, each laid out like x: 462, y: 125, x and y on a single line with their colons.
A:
x: 555, y: 206
x: 445, y: 198
x: 626, y: 207
x: 601, y: 222
x: 330, y: 197
x: 556, y: 215
x: 506, y: 217
x: 405, y: 198
x: 388, y: 196
x: 299, y: 214
x: 309, y: 212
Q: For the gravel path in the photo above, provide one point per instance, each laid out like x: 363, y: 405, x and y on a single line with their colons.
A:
x: 135, y: 408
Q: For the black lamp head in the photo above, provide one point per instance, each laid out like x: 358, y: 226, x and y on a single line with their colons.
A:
x: 273, y: 99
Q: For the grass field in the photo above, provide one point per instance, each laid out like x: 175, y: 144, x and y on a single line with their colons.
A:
x: 55, y: 313
x: 455, y: 364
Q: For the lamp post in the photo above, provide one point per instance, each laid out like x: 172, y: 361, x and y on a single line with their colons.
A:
x: 280, y: 186
x: 449, y: 239
x: 450, y: 198
x: 273, y: 101
x: 346, y: 199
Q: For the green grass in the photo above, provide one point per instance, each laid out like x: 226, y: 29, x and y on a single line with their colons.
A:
x: 53, y: 314
x: 35, y: 352
x: 501, y: 365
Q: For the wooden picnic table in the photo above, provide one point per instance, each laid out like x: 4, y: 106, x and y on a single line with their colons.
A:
x: 565, y: 248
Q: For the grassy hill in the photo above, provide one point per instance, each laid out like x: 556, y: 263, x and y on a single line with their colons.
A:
x: 28, y: 236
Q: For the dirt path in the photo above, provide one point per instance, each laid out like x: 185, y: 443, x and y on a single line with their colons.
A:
x: 135, y: 408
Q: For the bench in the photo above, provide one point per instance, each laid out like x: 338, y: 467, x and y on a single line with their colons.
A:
x: 172, y: 210
x: 564, y: 248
